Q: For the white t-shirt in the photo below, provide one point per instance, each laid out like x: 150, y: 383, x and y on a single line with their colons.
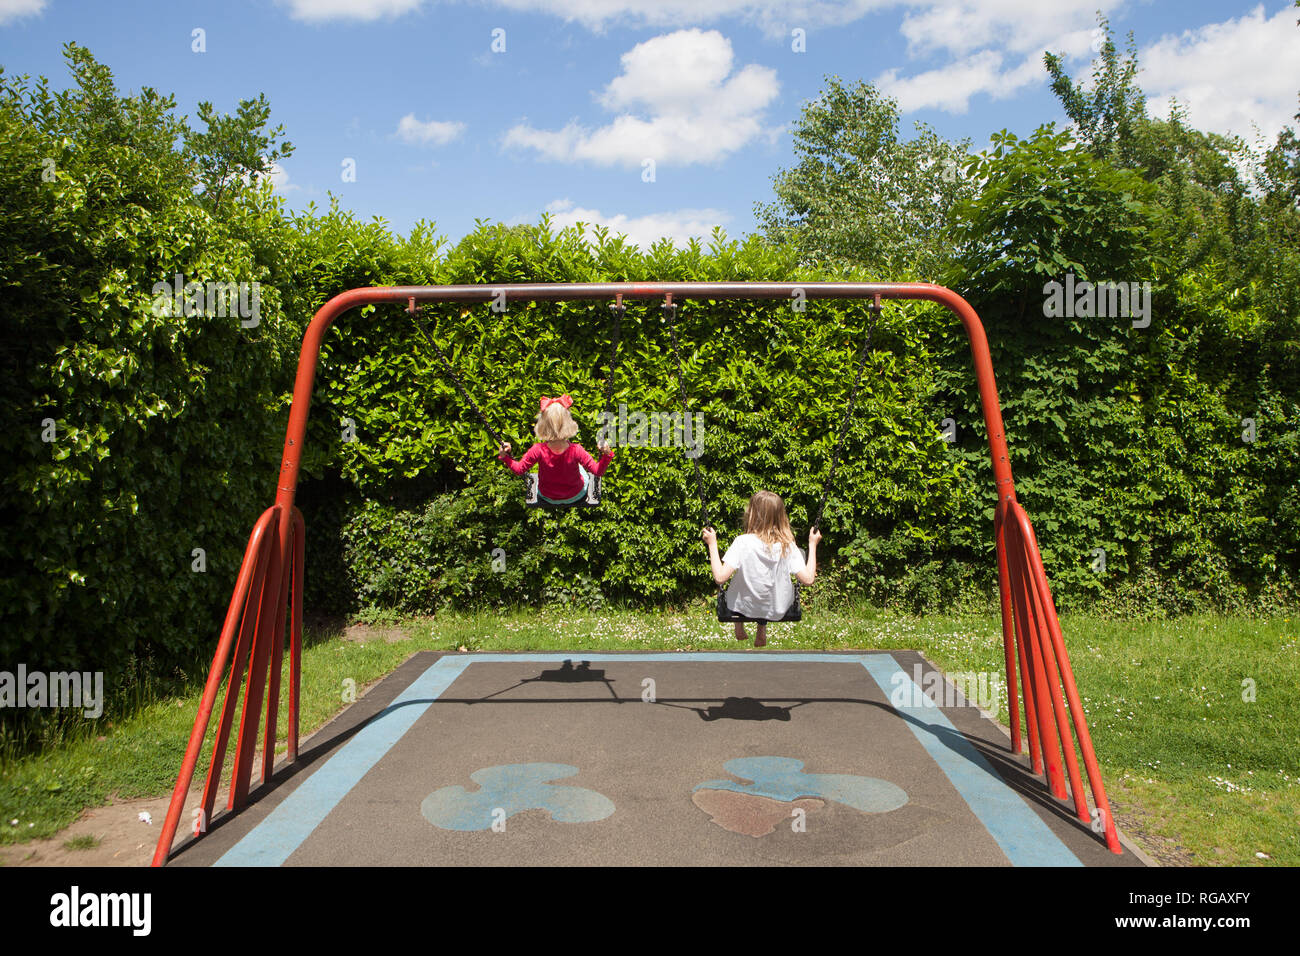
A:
x: 761, y: 585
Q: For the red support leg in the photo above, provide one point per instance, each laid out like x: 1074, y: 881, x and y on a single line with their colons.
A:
x: 295, y: 637
x: 238, y: 667
x: 255, y: 689
x: 1040, y: 604
x: 1042, y: 693
x: 277, y: 660
x: 1031, y: 712
x: 248, y: 581
x: 1008, y: 626
x: 238, y: 670
x: 1076, y: 711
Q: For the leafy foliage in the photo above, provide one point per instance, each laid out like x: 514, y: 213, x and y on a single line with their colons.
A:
x: 138, y: 432
x: 1108, y: 113
x: 234, y: 150
x: 770, y: 384
x: 861, y: 196
x: 1125, y: 438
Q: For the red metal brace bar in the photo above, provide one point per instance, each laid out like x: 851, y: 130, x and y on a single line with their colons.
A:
x: 1051, y: 646
x: 1008, y: 628
x: 277, y: 660
x: 295, y: 636
x: 1010, y: 621
x: 1031, y: 711
x: 255, y: 686
x: 1037, y: 605
x: 1026, y: 628
x: 237, y: 670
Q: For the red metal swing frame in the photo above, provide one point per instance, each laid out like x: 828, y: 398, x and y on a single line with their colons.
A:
x: 269, y: 584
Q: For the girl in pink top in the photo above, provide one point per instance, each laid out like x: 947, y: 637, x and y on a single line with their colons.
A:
x: 563, y: 468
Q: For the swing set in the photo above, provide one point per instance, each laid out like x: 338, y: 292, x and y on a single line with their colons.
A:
x: 592, y: 499
x: 269, y: 587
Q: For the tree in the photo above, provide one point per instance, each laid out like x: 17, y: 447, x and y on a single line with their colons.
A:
x: 235, y: 150
x: 1107, y: 114
x: 859, y: 196
x: 1280, y: 170
x: 1048, y: 207
x: 1201, y: 192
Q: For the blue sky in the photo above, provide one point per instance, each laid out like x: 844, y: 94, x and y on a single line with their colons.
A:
x: 440, y: 127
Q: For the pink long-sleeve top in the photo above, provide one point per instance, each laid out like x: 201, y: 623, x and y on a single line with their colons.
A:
x: 557, y: 475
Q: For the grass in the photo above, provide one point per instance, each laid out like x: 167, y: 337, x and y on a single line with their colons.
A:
x: 86, y: 841
x: 1199, y: 771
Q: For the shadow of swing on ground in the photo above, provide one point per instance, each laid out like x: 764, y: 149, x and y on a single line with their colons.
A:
x: 742, y: 708
x: 566, y: 673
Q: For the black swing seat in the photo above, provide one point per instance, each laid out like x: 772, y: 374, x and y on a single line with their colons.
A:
x: 727, y: 616
x: 534, y: 500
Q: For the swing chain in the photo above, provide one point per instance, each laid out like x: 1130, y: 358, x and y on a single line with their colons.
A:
x: 617, y: 308
x: 848, y: 415
x: 451, y: 373
x: 670, y: 311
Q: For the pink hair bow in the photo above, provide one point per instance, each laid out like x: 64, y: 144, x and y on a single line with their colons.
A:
x: 564, y: 400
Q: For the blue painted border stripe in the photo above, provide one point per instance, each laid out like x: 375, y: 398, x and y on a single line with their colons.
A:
x: 271, y: 842
x: 1019, y: 831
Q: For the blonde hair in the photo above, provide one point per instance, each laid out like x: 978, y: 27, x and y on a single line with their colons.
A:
x: 765, y: 518
x: 554, y: 423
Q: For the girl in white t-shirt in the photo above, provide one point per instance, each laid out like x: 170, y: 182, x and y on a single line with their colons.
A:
x: 762, y: 559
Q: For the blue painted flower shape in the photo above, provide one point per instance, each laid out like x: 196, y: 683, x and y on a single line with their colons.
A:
x: 511, y: 789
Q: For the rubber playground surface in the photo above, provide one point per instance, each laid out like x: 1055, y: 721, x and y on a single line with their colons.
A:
x: 564, y: 759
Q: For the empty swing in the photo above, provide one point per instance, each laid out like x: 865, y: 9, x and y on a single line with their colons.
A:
x: 795, y: 612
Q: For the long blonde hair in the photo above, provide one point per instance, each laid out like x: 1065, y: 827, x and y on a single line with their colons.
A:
x: 554, y: 423
x: 766, y: 519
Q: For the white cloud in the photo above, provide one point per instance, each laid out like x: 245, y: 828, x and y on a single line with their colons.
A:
x: 774, y: 17
x: 695, y: 109
x: 17, y: 9
x: 951, y: 87
x: 1232, y: 76
x: 1229, y: 75
x: 280, y: 179
x: 318, y: 11
x: 998, y: 47
x: 430, y: 133
x: 1017, y: 26
x: 680, y: 225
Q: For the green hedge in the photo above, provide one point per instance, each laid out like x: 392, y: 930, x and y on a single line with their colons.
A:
x: 135, y: 434
x: 1122, y: 438
x: 771, y: 384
